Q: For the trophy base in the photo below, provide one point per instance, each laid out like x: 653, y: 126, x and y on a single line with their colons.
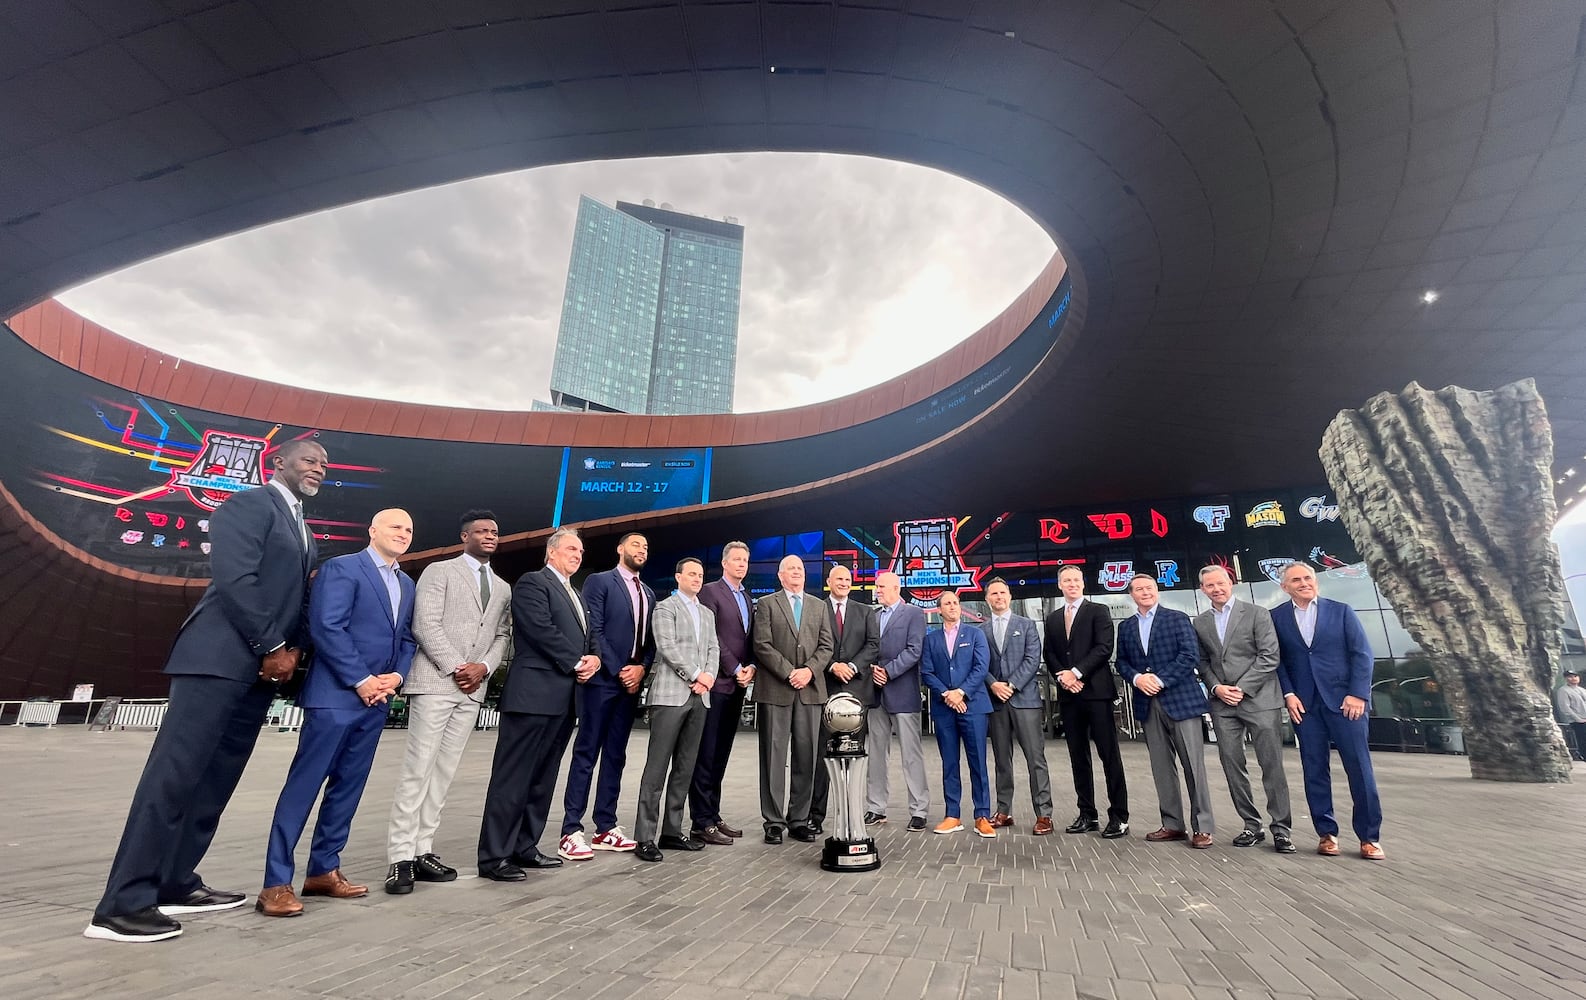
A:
x: 850, y: 855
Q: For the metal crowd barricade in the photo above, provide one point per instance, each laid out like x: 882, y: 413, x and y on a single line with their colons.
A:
x: 143, y: 713
x: 489, y: 718
x: 39, y: 713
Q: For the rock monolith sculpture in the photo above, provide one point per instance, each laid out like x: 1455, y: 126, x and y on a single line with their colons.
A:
x: 1449, y: 497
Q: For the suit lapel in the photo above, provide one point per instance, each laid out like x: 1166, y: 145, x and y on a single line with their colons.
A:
x: 579, y: 614
x: 381, y: 595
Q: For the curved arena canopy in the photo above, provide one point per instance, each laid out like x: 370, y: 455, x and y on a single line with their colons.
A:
x: 1251, y: 197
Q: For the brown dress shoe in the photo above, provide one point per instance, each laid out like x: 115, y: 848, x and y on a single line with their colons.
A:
x: 1371, y: 852
x: 1163, y: 835
x: 713, y: 835
x: 334, y: 884
x: 1201, y: 841
x: 1327, y: 847
x: 731, y: 831
x: 1000, y: 820
x: 278, y: 901
x: 1043, y: 826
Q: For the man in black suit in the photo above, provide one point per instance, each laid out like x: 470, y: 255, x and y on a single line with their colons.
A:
x: 1079, y: 639
x: 857, y: 637
x: 244, y: 637
x: 734, y: 610
x: 553, y: 649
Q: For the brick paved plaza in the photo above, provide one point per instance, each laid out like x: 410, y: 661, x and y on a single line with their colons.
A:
x: 1483, y: 896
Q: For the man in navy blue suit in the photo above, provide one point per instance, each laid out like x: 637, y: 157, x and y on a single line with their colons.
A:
x: 1158, y: 653
x: 619, y: 607
x: 954, y: 667
x: 360, y: 615
x: 1324, y: 668
x: 241, y: 641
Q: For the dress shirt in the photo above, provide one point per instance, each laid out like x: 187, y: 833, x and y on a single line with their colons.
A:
x: 1221, y: 618
x: 883, y: 616
x: 572, y: 595
x: 796, y: 602
x: 1145, y: 619
x: 1072, y: 608
x: 294, y: 505
x: 635, y: 591
x: 839, y: 612
x: 999, y: 628
x: 1305, y: 619
x: 393, y: 589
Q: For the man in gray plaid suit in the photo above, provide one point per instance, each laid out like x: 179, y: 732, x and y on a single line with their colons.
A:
x: 686, y: 658
x: 462, y: 621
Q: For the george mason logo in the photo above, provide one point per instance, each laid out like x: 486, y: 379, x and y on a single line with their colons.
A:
x: 226, y: 464
x: 1266, y: 514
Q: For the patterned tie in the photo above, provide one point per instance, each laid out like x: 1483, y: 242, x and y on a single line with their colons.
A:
x: 638, y: 619
x: 839, y: 623
x: 1068, y: 620
x: 484, y: 586
x: 798, y: 610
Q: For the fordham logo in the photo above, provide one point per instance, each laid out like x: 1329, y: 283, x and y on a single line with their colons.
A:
x: 1213, y: 516
x: 1114, y: 576
x: 226, y: 464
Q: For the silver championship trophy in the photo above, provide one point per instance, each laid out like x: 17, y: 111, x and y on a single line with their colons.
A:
x: 850, y: 848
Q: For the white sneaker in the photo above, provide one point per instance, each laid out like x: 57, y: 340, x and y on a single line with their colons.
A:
x: 574, y: 848
x: 613, y: 840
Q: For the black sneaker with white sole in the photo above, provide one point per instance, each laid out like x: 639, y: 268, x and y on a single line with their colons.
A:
x: 146, y: 925
x: 203, y: 900
x: 917, y: 824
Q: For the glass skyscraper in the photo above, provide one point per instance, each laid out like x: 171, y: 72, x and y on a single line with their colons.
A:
x: 650, y: 314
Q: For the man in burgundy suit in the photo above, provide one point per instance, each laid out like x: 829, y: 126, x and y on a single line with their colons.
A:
x: 734, y: 610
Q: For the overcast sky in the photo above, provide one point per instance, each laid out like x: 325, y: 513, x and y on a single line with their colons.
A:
x: 855, y: 270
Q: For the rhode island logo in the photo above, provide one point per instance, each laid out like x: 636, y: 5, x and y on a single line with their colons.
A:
x: 226, y: 464
x: 927, y: 559
x: 1266, y: 514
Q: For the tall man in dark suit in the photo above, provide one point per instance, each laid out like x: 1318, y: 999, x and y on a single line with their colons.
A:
x: 733, y: 609
x: 1016, y: 715
x: 242, y: 639
x: 954, y: 668
x: 1239, y: 664
x: 553, y: 650
x: 1158, y: 653
x: 360, y: 615
x: 619, y: 607
x: 856, y: 639
x: 1079, y: 640
x: 897, y: 705
x: 1324, y: 668
x: 792, y: 646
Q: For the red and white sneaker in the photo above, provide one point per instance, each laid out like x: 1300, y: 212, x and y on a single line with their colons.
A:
x: 613, y: 840
x: 574, y: 848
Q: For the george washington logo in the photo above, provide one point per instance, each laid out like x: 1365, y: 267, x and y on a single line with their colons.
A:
x: 1318, y: 509
x: 226, y: 464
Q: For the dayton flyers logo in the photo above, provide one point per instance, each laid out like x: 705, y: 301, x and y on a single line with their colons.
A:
x: 1213, y: 516
x: 226, y: 464
x: 1114, y: 576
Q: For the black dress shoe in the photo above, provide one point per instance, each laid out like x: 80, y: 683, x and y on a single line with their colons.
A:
x: 399, y: 880
x: 203, y: 900
x: 773, y: 835
x: 502, y: 871
x: 806, y: 834
x: 1282, y: 844
x: 148, y: 924
x: 430, y: 868
x: 819, y: 826
x: 916, y: 824
x: 680, y: 843
x: 1083, y: 824
x: 1115, y: 830
x: 537, y: 860
x: 647, y: 851
x: 1249, y: 838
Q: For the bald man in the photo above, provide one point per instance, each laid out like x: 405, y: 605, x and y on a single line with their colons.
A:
x: 360, y: 616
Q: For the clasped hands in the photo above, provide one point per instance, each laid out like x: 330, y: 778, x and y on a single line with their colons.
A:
x: 631, y: 676
x: 800, y: 678
x: 1149, y: 684
x: 377, y: 690
x: 469, y: 676
x: 1228, y: 694
x: 954, y: 700
x: 586, y: 667
x: 702, y: 683
x: 279, y: 665
x: 1070, y: 682
x: 1002, y: 690
x: 844, y: 672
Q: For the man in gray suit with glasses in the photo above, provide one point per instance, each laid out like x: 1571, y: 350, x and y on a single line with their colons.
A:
x: 1239, y: 664
x: 687, y: 655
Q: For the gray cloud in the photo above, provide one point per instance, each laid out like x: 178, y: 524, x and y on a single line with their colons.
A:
x: 855, y: 270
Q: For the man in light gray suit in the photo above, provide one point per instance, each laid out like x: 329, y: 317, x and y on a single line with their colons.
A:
x: 687, y: 654
x: 1239, y: 662
x: 792, y: 645
x: 1016, y: 707
x: 462, y: 621
x: 897, y: 678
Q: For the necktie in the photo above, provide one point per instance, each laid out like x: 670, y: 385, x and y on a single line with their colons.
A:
x: 882, y: 618
x: 484, y: 586
x: 839, y: 623
x: 1000, y: 627
x: 638, y: 617
x: 572, y: 595
x: 1068, y: 620
x: 302, y: 528
x: 743, y: 609
x: 798, y: 610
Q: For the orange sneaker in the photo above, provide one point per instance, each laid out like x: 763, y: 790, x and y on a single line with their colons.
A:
x: 949, y: 825
x: 984, y: 828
